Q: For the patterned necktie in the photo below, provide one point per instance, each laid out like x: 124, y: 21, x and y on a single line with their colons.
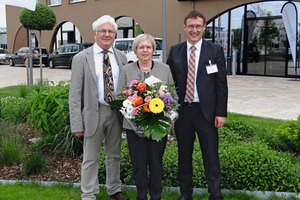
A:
x: 107, y: 78
x: 189, y: 95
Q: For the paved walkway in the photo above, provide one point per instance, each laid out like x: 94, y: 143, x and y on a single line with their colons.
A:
x: 271, y: 97
x: 18, y: 75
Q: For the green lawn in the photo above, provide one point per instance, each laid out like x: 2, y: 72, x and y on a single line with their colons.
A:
x: 9, y: 91
x: 34, y: 191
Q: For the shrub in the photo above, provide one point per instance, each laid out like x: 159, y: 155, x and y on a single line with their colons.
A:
x: 10, y: 144
x: 126, y: 169
x: 49, y: 107
x: 35, y: 163
x: 24, y: 91
x: 241, y: 130
x: 289, y: 132
x: 170, y: 164
x: 50, y: 113
x: 13, y: 109
x: 253, y: 166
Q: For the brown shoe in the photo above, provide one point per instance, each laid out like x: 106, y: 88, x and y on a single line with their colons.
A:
x: 118, y: 196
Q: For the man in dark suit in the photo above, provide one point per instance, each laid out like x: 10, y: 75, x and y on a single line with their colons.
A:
x: 91, y: 116
x: 199, y: 72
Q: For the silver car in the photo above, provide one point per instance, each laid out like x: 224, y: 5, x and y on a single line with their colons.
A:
x: 3, y: 57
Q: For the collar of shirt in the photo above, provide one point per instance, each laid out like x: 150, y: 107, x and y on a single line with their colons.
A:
x: 197, y: 52
x: 197, y: 45
x: 98, y: 50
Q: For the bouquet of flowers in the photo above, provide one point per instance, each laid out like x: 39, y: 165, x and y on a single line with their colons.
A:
x: 149, y: 107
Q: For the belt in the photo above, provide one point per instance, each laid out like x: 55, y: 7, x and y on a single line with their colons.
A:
x: 192, y: 103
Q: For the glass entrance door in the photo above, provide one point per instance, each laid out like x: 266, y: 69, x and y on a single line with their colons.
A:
x: 266, y: 47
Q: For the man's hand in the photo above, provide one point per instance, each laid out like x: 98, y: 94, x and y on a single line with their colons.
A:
x: 79, y: 134
x: 219, y: 121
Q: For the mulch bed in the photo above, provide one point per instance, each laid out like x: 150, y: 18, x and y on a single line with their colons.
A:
x: 62, y: 168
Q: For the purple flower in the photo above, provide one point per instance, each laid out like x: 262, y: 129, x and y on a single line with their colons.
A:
x: 167, y: 99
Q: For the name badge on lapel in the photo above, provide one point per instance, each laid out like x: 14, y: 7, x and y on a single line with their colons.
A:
x: 211, y: 68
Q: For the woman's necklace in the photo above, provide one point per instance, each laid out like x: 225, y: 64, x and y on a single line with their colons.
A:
x: 145, y: 67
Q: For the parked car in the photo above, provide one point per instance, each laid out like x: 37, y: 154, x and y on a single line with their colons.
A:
x: 63, y: 55
x: 45, y: 55
x: 19, y: 57
x: 125, y: 45
x: 3, y: 53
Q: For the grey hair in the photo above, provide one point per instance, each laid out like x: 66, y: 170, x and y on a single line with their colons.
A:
x: 141, y: 38
x: 105, y: 19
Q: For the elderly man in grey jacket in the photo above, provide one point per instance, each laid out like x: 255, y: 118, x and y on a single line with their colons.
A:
x: 90, y: 114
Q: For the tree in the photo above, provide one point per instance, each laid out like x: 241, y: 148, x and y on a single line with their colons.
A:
x: 43, y: 18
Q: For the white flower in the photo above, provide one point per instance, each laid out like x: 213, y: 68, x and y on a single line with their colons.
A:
x: 129, y: 109
x: 127, y: 103
x: 163, y: 89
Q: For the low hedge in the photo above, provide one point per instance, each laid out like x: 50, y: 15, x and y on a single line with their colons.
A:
x: 245, y: 166
x: 254, y: 166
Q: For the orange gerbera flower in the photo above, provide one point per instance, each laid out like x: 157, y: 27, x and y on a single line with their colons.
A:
x: 146, y: 108
x: 141, y: 87
x: 137, y: 101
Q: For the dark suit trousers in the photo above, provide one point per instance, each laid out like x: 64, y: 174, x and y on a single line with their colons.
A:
x: 146, y: 158
x: 191, y: 122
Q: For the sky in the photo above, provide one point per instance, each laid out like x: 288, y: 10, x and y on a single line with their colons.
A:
x: 2, y: 15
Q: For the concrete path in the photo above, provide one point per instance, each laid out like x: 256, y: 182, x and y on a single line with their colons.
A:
x: 270, y: 97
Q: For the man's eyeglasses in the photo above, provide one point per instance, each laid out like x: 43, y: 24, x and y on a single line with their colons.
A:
x: 191, y: 27
x: 103, y: 32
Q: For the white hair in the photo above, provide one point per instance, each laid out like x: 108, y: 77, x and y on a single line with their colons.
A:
x: 104, y: 19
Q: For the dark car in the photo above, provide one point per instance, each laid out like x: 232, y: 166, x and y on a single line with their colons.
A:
x: 45, y: 55
x: 64, y: 54
x: 19, y: 57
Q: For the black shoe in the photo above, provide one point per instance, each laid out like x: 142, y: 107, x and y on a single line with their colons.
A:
x: 118, y: 196
x: 185, y: 198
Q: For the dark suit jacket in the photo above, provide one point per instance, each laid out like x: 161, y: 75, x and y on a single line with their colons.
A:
x: 212, y: 88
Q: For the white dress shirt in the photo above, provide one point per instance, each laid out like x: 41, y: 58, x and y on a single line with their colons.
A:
x: 98, y: 59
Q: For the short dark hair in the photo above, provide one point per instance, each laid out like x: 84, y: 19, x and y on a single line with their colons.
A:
x: 194, y: 14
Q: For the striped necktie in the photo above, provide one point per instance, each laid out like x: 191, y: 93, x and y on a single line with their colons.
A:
x: 189, y: 95
x: 107, y: 78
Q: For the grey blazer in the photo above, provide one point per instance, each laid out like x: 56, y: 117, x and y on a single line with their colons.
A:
x: 83, y: 95
x: 131, y: 72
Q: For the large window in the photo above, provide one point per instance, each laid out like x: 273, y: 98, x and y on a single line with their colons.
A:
x: 54, y: 2
x: 256, y: 44
x: 74, y: 1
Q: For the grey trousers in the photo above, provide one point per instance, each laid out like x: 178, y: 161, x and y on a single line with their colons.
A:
x: 108, y: 133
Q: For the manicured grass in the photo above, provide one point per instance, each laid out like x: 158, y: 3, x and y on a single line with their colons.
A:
x: 30, y: 191
x: 9, y: 91
x: 264, y: 123
x: 35, y: 191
